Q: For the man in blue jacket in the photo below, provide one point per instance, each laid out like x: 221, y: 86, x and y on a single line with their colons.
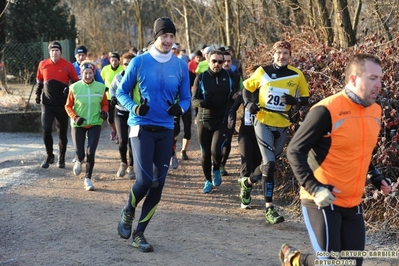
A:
x: 156, y: 77
x: 80, y: 56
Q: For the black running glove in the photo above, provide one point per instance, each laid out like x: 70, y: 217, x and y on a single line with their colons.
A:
x: 79, y: 120
x: 113, y: 101
x: 253, y: 108
x: 376, y: 177
x: 103, y: 115
x: 288, y: 99
x: 174, y: 109
x: 142, y: 109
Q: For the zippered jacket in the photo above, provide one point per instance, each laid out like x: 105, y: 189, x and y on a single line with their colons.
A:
x: 87, y: 101
x: 335, y: 147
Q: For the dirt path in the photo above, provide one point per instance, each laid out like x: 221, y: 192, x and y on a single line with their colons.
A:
x: 47, y: 218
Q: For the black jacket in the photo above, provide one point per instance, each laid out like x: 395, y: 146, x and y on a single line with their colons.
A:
x: 213, y: 94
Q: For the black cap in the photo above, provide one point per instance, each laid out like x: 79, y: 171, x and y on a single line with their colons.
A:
x: 163, y: 25
x: 198, y: 53
x: 81, y: 50
x: 56, y: 45
x: 228, y: 48
x: 115, y: 55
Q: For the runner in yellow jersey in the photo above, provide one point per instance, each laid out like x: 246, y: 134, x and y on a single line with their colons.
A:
x: 108, y: 73
x: 280, y: 87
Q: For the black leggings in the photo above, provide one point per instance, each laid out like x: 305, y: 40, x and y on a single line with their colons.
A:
x: 334, y: 228
x: 79, y: 138
x: 122, y: 128
x: 212, y: 138
x: 49, y: 112
x: 187, y: 121
x: 249, y: 150
x: 227, y: 146
x: 111, y: 110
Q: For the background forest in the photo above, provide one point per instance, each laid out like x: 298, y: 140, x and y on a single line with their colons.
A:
x: 117, y: 25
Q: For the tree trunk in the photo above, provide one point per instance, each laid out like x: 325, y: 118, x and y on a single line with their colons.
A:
x: 186, y: 27
x: 137, y: 10
x: 325, y: 22
x: 347, y: 35
x: 382, y: 21
x: 299, y: 17
x: 227, y: 19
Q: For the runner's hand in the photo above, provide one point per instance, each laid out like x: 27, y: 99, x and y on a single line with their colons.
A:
x: 323, y: 195
x: 142, y: 109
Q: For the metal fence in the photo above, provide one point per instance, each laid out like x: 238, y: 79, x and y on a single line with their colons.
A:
x: 18, y: 67
x: 20, y: 60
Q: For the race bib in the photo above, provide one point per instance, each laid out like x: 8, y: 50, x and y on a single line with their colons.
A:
x: 134, y: 131
x: 247, y: 118
x: 273, y: 99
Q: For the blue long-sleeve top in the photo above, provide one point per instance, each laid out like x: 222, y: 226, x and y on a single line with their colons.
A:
x: 159, y: 78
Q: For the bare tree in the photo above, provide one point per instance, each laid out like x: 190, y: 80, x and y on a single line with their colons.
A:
x: 3, y: 77
x: 345, y: 31
x: 105, y: 25
x: 325, y: 22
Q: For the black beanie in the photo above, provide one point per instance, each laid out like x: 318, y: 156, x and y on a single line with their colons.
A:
x: 81, y: 50
x: 163, y: 25
x: 56, y: 45
x: 115, y: 55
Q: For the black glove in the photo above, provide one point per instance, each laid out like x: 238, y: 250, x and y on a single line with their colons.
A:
x: 113, y: 101
x: 66, y: 91
x: 288, y: 99
x: 206, y: 103
x: 235, y: 95
x: 253, y: 108
x: 39, y: 90
x: 106, y: 89
x: 174, y: 109
x: 103, y: 115
x: 376, y: 178
x: 79, y: 120
x: 230, y: 121
x: 142, y: 109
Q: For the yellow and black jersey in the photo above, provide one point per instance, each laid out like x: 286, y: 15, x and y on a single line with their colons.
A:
x: 272, y: 82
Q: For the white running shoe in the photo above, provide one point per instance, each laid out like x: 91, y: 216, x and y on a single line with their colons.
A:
x: 88, y: 184
x: 77, y: 168
x: 122, y: 170
x: 174, y: 162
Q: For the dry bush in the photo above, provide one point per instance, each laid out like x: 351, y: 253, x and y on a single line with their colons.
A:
x: 323, y: 68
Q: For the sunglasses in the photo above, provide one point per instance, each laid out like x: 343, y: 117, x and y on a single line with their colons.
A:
x: 125, y: 64
x: 217, y: 61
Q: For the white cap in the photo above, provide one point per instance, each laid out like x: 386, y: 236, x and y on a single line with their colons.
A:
x: 174, y: 46
x: 208, y: 49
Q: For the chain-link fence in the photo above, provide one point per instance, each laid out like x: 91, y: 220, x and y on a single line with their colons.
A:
x: 18, y: 67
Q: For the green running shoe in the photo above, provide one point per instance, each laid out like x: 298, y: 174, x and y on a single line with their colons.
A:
x: 223, y: 171
x: 272, y: 217
x: 141, y: 243
x: 245, y: 193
